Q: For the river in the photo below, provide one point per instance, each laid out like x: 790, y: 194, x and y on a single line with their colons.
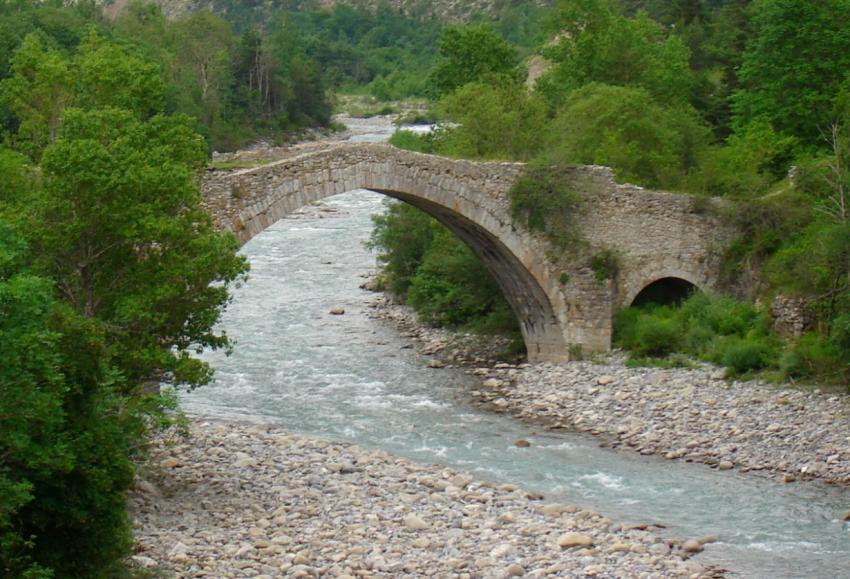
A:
x: 351, y: 377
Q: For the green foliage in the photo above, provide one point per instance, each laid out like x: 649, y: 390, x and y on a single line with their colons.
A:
x: 713, y: 328
x: 467, y: 54
x: 600, y: 46
x: 31, y: 413
x: 813, y: 357
x: 125, y: 277
x: 605, y: 265
x: 748, y: 354
x: 66, y: 437
x: 429, y: 268
x: 794, y: 66
x: 544, y: 200
x: 125, y: 224
x: 54, y: 58
x: 411, y: 141
x: 383, y: 50
x: 817, y: 263
x: 36, y: 93
x: 624, y: 128
x: 108, y: 76
x: 450, y: 286
x: 746, y: 166
x: 656, y: 336
x: 497, y: 119
x: 402, y: 235
x: 766, y: 224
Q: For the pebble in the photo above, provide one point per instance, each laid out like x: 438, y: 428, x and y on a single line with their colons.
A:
x: 684, y: 414
x: 285, y: 513
x: 569, y: 540
x: 414, y: 523
x: 691, y: 546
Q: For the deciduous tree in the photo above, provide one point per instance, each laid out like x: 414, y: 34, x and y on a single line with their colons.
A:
x: 467, y: 53
x: 120, y: 228
x: 794, y: 66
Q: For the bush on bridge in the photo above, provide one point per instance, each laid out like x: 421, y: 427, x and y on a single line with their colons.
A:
x: 543, y: 201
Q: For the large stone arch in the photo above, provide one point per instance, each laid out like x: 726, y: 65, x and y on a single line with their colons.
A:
x: 561, y: 304
x: 466, y: 197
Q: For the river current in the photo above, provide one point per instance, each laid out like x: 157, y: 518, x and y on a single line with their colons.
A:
x: 350, y: 377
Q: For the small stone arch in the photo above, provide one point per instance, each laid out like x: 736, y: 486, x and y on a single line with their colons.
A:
x: 664, y: 291
x: 679, y: 281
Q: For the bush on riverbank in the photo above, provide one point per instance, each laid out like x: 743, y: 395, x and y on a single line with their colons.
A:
x: 713, y: 328
x: 427, y: 267
x: 730, y: 333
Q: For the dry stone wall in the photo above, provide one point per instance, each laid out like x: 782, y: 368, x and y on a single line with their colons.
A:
x: 562, y: 306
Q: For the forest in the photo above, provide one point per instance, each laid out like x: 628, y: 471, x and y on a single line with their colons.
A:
x: 112, y: 276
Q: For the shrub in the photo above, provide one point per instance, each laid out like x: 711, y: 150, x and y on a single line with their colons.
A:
x: 698, y: 340
x: 543, y: 200
x: 811, y: 356
x: 718, y: 329
x: 434, y: 272
x: 656, y: 336
x: 625, y: 327
x: 624, y: 128
x: 743, y: 355
x: 605, y: 265
x: 452, y: 287
x: 410, y: 141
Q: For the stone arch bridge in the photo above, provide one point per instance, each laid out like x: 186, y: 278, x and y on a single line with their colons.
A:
x: 562, y: 306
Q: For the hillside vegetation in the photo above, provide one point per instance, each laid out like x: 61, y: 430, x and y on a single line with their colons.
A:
x: 443, y: 10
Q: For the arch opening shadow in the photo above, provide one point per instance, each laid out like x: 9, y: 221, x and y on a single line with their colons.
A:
x: 664, y: 291
x: 529, y: 302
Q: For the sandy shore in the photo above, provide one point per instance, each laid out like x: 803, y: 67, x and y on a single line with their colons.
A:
x: 238, y: 500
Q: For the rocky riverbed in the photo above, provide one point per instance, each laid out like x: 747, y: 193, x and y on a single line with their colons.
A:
x: 680, y: 414
x: 243, y: 500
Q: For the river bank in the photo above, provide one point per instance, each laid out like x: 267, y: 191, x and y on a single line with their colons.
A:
x: 679, y: 414
x: 244, y: 500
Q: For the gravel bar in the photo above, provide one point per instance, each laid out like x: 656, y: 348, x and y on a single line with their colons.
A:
x: 242, y: 500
